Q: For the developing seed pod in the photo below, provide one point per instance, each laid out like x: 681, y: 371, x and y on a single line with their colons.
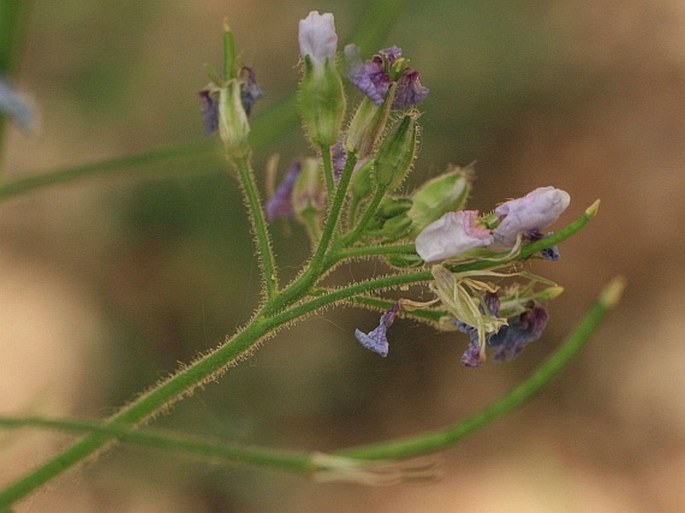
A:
x: 396, y: 154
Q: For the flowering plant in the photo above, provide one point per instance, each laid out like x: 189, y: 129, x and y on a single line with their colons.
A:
x: 349, y: 196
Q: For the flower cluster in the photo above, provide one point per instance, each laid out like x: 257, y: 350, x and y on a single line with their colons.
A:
x: 455, y: 233
x: 355, y: 181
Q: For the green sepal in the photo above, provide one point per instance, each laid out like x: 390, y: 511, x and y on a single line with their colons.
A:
x: 392, y: 229
x: 321, y: 99
x: 444, y: 193
x: 362, y: 184
x: 405, y: 261
x: 391, y: 207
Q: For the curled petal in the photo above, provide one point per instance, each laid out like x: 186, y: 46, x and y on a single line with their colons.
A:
x: 369, y: 77
x: 391, y: 54
x: 409, y: 90
x: 317, y: 37
x: 452, y: 234
x: 535, y: 211
x: 472, y: 355
x: 376, y: 340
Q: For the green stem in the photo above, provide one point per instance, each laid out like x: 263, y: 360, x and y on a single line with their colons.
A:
x: 328, y: 170
x: 157, y: 399
x: 420, y: 314
x: 394, y: 449
x: 301, y: 286
x: 367, y: 251
x: 260, y: 228
x: 442, y: 438
x: 266, y: 128
x: 369, y: 211
x: 174, y: 442
x: 121, y: 165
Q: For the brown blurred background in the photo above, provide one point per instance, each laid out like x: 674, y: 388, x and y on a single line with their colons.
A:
x: 108, y: 283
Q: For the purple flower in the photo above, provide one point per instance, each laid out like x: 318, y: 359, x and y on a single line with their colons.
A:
x: 280, y: 205
x: 510, y: 340
x: 370, y: 77
x: 376, y: 339
x: 452, y: 234
x: 374, y: 76
x: 250, y: 91
x: 317, y: 37
x: 409, y: 90
x: 472, y: 357
x: 535, y: 211
x: 209, y: 107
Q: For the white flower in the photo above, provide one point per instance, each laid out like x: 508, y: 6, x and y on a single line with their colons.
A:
x: 318, y: 38
x: 535, y: 211
x: 452, y: 234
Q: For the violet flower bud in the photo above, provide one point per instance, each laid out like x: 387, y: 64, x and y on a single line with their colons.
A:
x: 318, y: 38
x: 452, y: 234
x: 535, y: 211
x: 280, y: 205
x: 376, y: 340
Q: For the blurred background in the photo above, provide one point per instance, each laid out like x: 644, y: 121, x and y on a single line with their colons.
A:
x: 108, y: 283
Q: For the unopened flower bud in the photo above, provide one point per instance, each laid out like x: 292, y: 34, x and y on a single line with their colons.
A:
x: 536, y: 210
x: 444, y: 193
x: 396, y: 154
x: 454, y: 233
x: 321, y: 95
x: 394, y: 228
x: 317, y: 37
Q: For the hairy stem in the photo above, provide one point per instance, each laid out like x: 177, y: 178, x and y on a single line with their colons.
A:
x: 301, y: 286
x: 369, y: 211
x: 419, y: 444
x: 442, y: 438
x: 259, y: 227
x: 328, y: 170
